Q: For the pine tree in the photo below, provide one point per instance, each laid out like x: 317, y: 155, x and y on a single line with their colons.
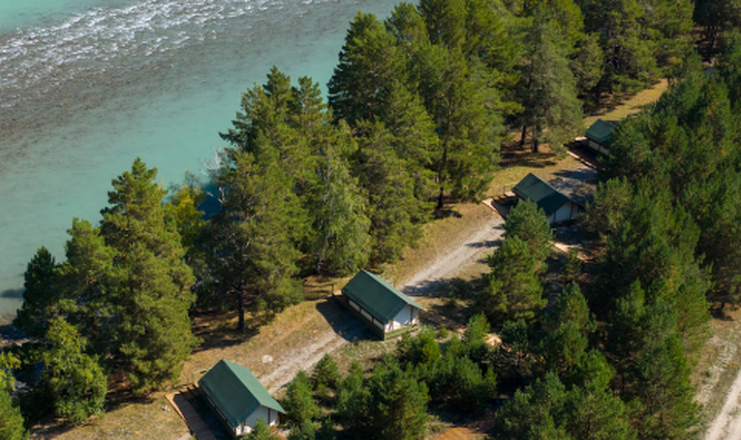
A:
x: 587, y: 67
x: 414, y: 140
x: 716, y: 18
x: 262, y: 109
x: 352, y: 403
x: 397, y: 405
x: 261, y: 431
x: 255, y: 255
x: 369, y: 61
x: 592, y: 411
x: 606, y: 213
x: 463, y: 102
x: 394, y: 211
x: 655, y: 370
x: 669, y: 23
x: 325, y: 378
x: 567, y: 326
x: 547, y: 88
x: 446, y: 22
x: 153, y: 294
x: 530, y: 224
x: 299, y: 403
x: 89, y: 277
x: 530, y: 414
x: 128, y: 286
x: 41, y: 294
x: 76, y: 380
x: 626, y: 44
x: 654, y: 240
x: 408, y: 28
x: 11, y: 419
x: 514, y: 290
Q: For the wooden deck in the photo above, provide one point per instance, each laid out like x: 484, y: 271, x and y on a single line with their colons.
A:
x: 179, y: 401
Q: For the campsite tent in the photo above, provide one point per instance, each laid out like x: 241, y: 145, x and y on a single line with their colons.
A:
x: 238, y: 397
x: 385, y: 309
x: 557, y: 206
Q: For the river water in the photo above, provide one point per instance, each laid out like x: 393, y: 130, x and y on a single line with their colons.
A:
x: 86, y: 86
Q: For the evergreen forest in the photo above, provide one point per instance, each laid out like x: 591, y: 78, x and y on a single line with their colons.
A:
x: 417, y: 109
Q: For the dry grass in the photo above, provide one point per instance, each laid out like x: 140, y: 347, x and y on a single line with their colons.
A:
x: 544, y: 165
x: 440, y: 235
x: 131, y: 420
x: 719, y: 362
x: 297, y: 324
x: 630, y: 106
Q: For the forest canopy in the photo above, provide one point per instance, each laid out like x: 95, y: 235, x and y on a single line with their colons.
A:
x: 418, y: 107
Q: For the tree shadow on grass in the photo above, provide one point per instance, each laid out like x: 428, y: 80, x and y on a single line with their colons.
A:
x: 216, y: 332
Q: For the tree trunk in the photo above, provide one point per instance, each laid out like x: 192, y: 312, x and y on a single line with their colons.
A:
x: 535, y: 145
x: 240, y: 310
x: 441, y: 173
x: 524, y: 133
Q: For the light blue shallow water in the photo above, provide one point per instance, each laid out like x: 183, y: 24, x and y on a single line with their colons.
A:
x: 87, y: 86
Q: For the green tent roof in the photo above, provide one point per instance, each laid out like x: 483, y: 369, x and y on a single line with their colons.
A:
x: 236, y: 391
x: 601, y: 132
x: 376, y: 296
x: 538, y: 191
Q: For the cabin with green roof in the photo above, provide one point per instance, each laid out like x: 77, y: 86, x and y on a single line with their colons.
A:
x: 599, y: 136
x: 558, y: 206
x: 382, y: 307
x: 238, y: 397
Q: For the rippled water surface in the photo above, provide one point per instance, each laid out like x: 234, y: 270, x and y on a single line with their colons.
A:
x: 86, y: 86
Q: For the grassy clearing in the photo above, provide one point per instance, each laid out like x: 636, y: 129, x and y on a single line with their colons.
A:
x: 630, y: 106
x: 547, y: 166
x: 143, y: 420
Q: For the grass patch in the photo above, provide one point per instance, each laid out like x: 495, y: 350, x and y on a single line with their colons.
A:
x: 365, y: 352
x: 629, y: 106
x: 520, y: 163
x: 143, y: 420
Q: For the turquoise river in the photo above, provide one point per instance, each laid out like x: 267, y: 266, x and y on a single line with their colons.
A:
x: 86, y: 86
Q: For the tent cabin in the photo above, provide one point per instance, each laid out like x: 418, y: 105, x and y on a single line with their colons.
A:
x: 599, y: 136
x: 381, y: 306
x: 557, y: 206
x: 238, y: 397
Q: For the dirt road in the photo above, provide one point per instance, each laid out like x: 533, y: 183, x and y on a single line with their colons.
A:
x: 303, y: 357
x: 479, y: 244
x: 727, y: 426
